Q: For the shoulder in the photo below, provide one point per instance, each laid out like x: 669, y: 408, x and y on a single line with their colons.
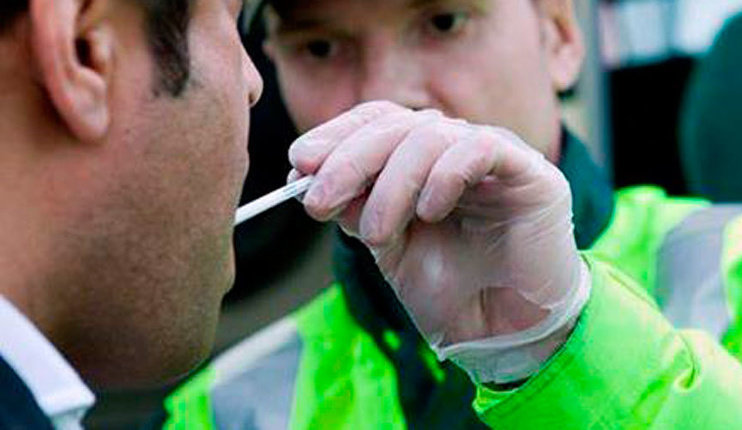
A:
x: 254, y: 380
x: 646, y: 214
x: 653, y: 198
x: 249, y: 386
x: 252, y: 384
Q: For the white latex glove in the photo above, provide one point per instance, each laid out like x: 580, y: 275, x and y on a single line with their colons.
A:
x: 470, y: 226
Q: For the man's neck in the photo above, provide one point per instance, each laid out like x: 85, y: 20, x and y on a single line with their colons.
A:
x: 26, y: 260
x: 554, y: 150
x: 30, y: 214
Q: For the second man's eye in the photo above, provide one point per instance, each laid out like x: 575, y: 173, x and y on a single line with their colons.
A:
x: 448, y: 23
x: 321, y: 49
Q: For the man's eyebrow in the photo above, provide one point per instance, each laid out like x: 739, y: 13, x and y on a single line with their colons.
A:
x: 421, y: 3
x: 416, y: 4
x: 293, y: 21
x: 290, y: 20
x: 289, y: 24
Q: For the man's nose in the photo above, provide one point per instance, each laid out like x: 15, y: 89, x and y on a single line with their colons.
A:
x: 254, y: 81
x: 393, y: 75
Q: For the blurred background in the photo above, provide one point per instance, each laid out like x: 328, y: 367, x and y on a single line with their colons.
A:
x: 660, y: 92
x: 659, y: 101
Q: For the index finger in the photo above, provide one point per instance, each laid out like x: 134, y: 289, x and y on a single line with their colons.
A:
x: 311, y: 150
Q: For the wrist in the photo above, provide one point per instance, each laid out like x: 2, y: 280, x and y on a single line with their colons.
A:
x: 512, y: 357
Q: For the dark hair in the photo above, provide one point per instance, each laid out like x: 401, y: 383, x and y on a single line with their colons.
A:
x: 167, y: 23
x: 9, y: 11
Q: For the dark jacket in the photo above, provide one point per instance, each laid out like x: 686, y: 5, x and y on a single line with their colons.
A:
x: 18, y: 408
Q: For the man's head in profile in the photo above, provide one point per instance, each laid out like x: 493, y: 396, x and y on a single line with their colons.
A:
x: 124, y: 147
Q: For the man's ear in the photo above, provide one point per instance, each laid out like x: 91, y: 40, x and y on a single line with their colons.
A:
x: 73, y: 46
x: 562, y: 42
x: 270, y: 21
x: 269, y: 49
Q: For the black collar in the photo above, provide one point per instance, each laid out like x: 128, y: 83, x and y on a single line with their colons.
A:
x: 18, y: 408
x: 592, y: 191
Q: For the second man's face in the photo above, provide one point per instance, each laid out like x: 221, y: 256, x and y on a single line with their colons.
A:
x: 480, y: 60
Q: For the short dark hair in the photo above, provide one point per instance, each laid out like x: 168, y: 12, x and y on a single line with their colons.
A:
x: 9, y: 11
x: 167, y: 24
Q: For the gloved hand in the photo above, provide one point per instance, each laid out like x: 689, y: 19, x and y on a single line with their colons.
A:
x: 470, y: 226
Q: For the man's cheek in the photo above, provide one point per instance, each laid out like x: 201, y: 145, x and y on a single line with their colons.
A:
x: 307, y: 111
x: 310, y: 102
x: 332, y: 105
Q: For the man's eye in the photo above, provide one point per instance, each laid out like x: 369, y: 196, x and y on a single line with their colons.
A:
x: 321, y: 49
x: 448, y: 23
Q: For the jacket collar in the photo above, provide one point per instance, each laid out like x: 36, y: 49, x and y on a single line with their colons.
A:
x: 18, y: 408
x: 592, y: 191
x: 55, y: 385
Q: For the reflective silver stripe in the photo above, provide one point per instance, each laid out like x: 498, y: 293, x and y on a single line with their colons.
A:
x: 690, y: 285
x: 255, y: 380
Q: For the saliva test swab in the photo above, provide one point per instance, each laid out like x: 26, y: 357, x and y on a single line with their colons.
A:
x: 272, y: 199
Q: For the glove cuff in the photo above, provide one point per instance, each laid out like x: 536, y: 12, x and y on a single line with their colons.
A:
x: 517, y: 356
